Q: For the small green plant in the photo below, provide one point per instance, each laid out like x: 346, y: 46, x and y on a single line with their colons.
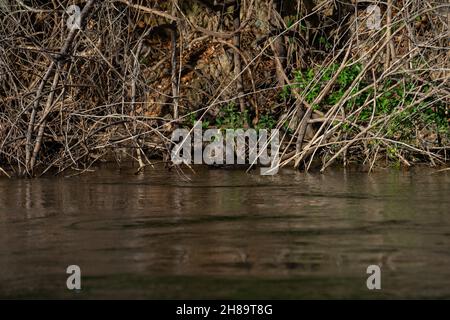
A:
x: 193, y: 118
x: 287, y: 128
x: 285, y: 93
x: 230, y: 118
x: 324, y: 43
x: 266, y: 122
x: 311, y: 83
x: 305, y: 82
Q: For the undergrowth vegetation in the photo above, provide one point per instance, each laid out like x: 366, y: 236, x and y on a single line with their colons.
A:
x: 339, y: 90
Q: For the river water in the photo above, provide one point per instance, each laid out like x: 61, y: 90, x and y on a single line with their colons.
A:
x: 226, y: 234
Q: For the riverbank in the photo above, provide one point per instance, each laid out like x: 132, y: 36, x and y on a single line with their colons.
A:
x: 128, y: 166
x: 342, y: 83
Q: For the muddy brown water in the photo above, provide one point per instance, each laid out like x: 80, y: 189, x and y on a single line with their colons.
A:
x: 226, y: 234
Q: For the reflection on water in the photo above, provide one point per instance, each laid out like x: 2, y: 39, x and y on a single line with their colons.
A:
x: 226, y: 234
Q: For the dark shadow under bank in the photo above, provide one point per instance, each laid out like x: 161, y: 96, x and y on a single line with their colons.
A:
x: 129, y: 166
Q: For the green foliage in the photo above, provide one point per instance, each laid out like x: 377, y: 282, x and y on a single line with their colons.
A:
x: 231, y: 118
x: 287, y: 128
x: 285, y: 93
x: 396, y: 101
x: 305, y: 82
x: 311, y: 82
x: 193, y: 118
x: 348, y: 75
x: 266, y: 122
x: 324, y: 43
x: 426, y: 114
x: 393, y: 96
